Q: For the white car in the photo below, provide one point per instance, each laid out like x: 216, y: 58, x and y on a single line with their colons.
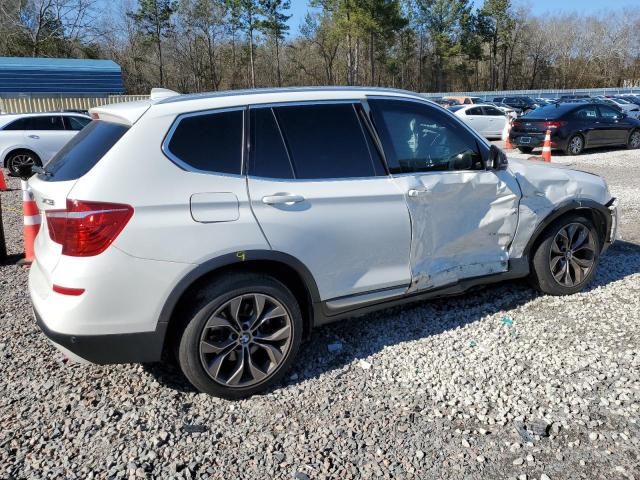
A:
x: 34, y: 138
x: 487, y: 120
x: 629, y: 108
x: 221, y: 228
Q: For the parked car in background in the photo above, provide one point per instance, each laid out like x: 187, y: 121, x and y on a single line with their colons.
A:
x: 487, y: 120
x: 575, y: 127
x: 34, y: 138
x: 543, y: 101
x: 626, y: 106
x: 291, y: 208
x: 573, y: 96
x: 520, y: 104
x: 510, y: 112
x: 464, y: 100
x: 446, y: 103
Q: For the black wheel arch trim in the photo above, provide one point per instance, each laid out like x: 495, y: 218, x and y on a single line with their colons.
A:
x: 241, y: 257
x: 569, y: 206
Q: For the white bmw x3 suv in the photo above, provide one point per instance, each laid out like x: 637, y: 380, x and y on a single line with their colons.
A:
x: 221, y: 228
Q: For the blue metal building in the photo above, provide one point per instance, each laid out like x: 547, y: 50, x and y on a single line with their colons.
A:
x: 24, y: 75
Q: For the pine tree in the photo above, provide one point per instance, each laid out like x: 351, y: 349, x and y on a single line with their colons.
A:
x: 275, y: 26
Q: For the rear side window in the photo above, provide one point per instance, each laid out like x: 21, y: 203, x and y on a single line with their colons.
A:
x: 52, y: 122
x: 586, y: 113
x: 474, y: 111
x: 84, y: 151
x: 210, y: 142
x: 75, y: 123
x: 20, y: 124
x: 327, y: 141
x: 268, y: 155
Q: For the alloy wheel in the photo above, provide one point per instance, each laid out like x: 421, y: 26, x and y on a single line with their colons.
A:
x: 573, y: 254
x: 245, y: 340
x: 575, y: 145
x: 22, y: 159
x: 634, y: 141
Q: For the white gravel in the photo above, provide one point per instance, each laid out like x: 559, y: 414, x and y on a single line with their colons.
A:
x: 500, y: 383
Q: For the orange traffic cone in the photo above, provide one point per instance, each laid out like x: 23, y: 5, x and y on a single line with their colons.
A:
x: 505, y: 135
x: 3, y: 182
x: 31, y: 223
x: 546, y: 148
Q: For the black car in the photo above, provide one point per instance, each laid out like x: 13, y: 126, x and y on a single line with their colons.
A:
x: 520, y: 104
x: 574, y: 127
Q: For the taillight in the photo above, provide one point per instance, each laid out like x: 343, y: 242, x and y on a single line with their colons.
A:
x: 84, y: 228
x: 517, y: 123
x: 554, y: 124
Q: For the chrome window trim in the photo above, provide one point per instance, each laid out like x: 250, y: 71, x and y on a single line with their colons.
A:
x: 189, y: 168
x: 294, y: 103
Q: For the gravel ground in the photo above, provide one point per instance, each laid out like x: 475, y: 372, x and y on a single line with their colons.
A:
x: 500, y: 383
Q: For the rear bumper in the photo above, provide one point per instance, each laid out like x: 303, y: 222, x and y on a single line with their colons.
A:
x: 105, y: 349
x: 536, y: 140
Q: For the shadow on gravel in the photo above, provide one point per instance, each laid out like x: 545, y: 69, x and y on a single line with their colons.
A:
x: 11, y: 259
x: 364, y: 336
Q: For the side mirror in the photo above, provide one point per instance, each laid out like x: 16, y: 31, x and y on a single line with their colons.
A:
x: 497, y: 159
x: 25, y: 172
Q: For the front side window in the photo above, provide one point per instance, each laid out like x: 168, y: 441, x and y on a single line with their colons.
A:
x: 327, y: 141
x: 210, y: 142
x: 608, y: 113
x: 494, y: 112
x: 418, y: 138
x: 49, y: 122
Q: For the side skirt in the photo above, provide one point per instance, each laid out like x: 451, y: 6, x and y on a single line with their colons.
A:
x: 356, y: 305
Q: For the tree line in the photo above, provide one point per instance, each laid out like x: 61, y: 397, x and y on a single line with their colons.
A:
x: 422, y: 45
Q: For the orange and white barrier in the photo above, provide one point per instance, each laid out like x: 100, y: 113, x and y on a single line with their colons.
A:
x: 31, y: 222
x: 505, y: 134
x: 546, y: 148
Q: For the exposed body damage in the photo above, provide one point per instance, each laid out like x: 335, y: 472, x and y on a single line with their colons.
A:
x: 546, y: 187
x: 470, y: 224
x: 462, y: 225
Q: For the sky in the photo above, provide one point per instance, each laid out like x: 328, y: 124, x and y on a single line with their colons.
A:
x: 299, y: 8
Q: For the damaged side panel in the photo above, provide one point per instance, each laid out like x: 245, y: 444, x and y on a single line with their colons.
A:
x: 462, y: 225
x: 544, y: 188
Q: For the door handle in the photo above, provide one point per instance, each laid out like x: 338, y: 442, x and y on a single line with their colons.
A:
x: 417, y: 192
x: 281, y: 198
x: 35, y: 137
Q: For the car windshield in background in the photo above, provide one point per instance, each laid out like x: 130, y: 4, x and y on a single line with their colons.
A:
x: 84, y: 151
x: 455, y: 108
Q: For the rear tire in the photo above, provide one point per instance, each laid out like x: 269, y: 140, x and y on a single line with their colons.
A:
x: 242, y: 335
x: 566, y: 257
x: 525, y: 149
x: 634, y: 140
x: 575, y: 145
x: 21, y: 157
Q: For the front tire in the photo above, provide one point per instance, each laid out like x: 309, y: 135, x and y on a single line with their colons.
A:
x: 21, y: 157
x: 575, y: 145
x: 242, y: 335
x: 566, y: 257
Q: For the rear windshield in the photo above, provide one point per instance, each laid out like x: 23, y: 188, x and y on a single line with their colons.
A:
x: 550, y: 111
x: 83, y: 151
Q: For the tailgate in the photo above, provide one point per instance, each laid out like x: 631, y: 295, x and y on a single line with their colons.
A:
x: 48, y: 196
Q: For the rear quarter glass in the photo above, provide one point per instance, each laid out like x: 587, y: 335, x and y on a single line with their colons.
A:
x: 84, y: 151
